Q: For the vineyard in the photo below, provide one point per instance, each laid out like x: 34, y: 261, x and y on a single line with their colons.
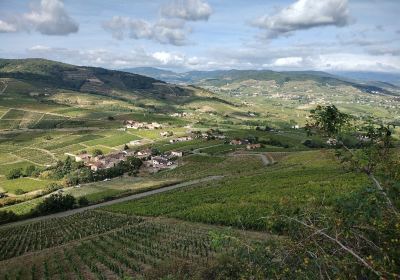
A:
x: 21, y: 239
x: 104, y: 246
x: 311, y: 179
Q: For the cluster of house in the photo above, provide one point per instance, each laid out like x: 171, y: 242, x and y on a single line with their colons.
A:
x: 96, y: 163
x: 181, y: 139
x: 180, y: 115
x: 166, y: 133
x: 209, y: 135
x: 249, y: 146
x: 163, y: 161
x: 142, y: 125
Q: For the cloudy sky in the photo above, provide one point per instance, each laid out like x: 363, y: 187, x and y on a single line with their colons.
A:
x: 330, y: 35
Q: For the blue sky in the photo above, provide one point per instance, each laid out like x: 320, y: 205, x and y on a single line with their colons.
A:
x: 330, y: 35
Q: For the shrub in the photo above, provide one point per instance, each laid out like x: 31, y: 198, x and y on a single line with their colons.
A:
x: 7, y: 217
x: 56, y: 203
x: 83, y: 201
x: 30, y: 170
x: 313, y: 143
x: 14, y: 174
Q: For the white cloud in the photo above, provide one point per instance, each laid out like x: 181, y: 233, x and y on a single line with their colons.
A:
x: 39, y: 48
x: 293, y: 61
x: 164, y: 31
x: 114, y: 59
x: 6, y: 27
x: 190, y: 10
x: 305, y: 14
x: 49, y: 17
x: 168, y: 58
x: 170, y: 28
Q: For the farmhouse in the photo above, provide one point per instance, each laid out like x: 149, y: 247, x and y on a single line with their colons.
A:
x: 142, y: 125
x: 161, y: 162
x: 236, y: 142
x: 176, y: 154
x: 95, y: 166
x: 253, y: 146
x: 166, y: 133
x: 181, y: 139
x: 143, y: 153
x: 85, y: 157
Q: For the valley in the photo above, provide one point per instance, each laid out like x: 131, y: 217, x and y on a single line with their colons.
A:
x: 208, y: 175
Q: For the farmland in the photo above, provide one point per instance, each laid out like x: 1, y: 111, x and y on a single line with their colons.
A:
x: 107, y: 246
x: 255, y: 193
x: 247, y: 132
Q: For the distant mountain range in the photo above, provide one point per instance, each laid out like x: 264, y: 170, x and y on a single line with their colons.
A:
x: 367, y: 84
x: 379, y: 77
x: 43, y: 73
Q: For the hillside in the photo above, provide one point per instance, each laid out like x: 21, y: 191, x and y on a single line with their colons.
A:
x: 220, y: 78
x: 48, y: 73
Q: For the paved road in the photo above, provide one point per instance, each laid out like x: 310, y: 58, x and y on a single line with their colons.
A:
x: 111, y: 202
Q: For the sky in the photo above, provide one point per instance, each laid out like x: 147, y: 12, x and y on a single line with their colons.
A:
x: 181, y: 35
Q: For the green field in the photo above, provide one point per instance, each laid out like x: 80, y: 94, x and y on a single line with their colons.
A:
x: 117, y: 138
x: 100, y: 191
x: 282, y: 211
x: 24, y: 184
x: 302, y: 179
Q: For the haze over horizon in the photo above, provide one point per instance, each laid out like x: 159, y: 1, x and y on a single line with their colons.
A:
x: 331, y: 35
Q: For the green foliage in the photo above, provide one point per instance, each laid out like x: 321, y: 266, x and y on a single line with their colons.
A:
x: 83, y: 201
x: 30, y: 170
x: 14, y: 174
x: 55, y: 203
x: 7, y: 217
x: 97, y: 152
x: 328, y: 119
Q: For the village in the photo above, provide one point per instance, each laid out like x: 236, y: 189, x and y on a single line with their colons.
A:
x: 154, y: 161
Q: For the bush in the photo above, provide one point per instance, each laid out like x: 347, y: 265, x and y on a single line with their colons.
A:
x: 56, y: 203
x: 7, y: 217
x: 30, y: 170
x: 14, y: 174
x: 314, y: 144
x: 83, y: 201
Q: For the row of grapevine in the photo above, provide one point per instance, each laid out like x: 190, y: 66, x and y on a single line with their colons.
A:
x: 16, y: 241
x: 128, y: 251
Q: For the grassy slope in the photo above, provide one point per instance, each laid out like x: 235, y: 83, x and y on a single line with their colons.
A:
x: 309, y: 179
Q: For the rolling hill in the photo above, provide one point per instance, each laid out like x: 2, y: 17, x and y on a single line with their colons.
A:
x: 219, y: 78
x: 48, y: 73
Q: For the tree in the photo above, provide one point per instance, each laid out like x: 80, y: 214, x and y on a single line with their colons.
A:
x: 367, y: 220
x: 56, y: 203
x: 14, y: 173
x: 30, y: 170
x: 375, y: 142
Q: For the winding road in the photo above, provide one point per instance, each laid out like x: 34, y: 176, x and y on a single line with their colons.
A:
x: 111, y: 202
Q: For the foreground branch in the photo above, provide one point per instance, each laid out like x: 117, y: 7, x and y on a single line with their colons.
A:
x: 337, y: 241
